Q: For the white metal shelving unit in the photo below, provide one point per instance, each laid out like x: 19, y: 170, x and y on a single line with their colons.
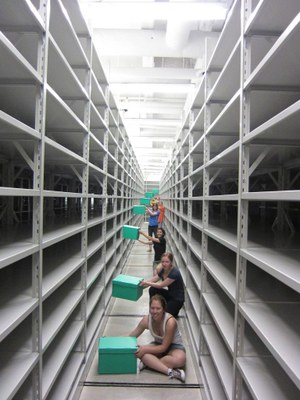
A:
x: 68, y: 180
x: 232, y: 192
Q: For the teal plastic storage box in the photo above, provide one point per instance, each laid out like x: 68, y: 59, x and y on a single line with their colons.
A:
x: 139, y: 210
x: 149, y: 194
x: 145, y: 201
x: 127, y: 287
x: 116, y: 355
x: 131, y: 232
x: 155, y: 191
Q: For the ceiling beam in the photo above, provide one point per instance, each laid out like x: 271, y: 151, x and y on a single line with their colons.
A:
x: 142, y: 74
x: 146, y: 88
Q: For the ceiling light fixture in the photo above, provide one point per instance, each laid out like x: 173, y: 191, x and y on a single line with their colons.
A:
x: 146, y: 88
x: 100, y: 12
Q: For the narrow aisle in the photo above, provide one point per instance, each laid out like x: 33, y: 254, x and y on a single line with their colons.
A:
x: 122, y: 317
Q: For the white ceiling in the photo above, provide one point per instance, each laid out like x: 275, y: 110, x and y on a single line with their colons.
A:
x: 153, y: 60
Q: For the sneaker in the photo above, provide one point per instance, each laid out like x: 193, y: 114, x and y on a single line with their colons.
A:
x: 177, y: 374
x: 142, y: 366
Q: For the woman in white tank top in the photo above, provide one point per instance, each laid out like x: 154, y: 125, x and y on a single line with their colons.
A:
x: 166, y: 354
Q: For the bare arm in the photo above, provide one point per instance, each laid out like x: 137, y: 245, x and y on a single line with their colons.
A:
x: 151, y: 212
x: 143, y: 241
x: 157, y: 269
x: 157, y: 283
x: 146, y: 282
x: 150, y: 238
x: 139, y: 329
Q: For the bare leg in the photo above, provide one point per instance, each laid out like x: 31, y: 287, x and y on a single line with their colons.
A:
x: 175, y: 359
x: 155, y: 363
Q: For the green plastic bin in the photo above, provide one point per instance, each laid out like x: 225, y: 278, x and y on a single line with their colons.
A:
x: 149, y: 194
x: 145, y: 201
x: 116, y: 355
x: 131, y: 232
x: 127, y: 287
x: 139, y: 209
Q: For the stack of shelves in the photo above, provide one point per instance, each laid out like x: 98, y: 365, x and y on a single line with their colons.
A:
x: 239, y: 174
x: 68, y: 180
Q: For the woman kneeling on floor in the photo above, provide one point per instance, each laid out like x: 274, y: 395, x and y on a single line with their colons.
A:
x: 166, y: 354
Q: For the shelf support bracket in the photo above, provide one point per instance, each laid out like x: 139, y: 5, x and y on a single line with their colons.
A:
x: 23, y: 153
x: 98, y: 180
x: 259, y: 159
x: 77, y: 173
x: 215, y: 176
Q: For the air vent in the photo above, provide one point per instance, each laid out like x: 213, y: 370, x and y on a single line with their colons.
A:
x: 161, y: 145
x: 174, y: 62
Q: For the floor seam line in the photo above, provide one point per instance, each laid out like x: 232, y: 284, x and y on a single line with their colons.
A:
x: 146, y: 385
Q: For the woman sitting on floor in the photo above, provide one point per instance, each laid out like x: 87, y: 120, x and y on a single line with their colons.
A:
x: 166, y: 354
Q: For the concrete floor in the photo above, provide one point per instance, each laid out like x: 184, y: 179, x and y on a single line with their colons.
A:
x: 122, y: 316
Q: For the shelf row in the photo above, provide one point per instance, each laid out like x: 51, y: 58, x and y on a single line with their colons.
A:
x: 66, y: 304
x: 232, y: 196
x: 68, y: 181
x: 267, y: 246
x: 20, y: 242
x: 76, y: 100
x: 64, y: 147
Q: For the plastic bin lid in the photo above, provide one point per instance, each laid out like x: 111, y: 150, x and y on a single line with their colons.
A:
x: 120, y: 344
x: 131, y: 227
x: 127, y: 280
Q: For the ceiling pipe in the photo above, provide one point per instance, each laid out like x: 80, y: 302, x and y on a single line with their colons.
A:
x: 177, y: 34
x: 178, y: 31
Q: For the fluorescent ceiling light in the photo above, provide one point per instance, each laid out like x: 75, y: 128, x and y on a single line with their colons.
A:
x: 146, y: 88
x: 145, y: 122
x: 101, y: 13
x: 153, y: 137
x: 152, y: 151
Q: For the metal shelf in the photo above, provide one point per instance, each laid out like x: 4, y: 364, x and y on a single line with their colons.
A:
x: 240, y: 177
x: 264, y: 19
x: 57, y: 312
x: 224, y: 276
x: 220, y: 357
x: 228, y: 81
x: 54, y: 277
x: 269, y: 72
x: 56, y: 357
x: 283, y: 264
x: 68, y: 179
x: 18, y: 365
x: 267, y: 378
x: 222, y: 318
x: 212, y: 379
x: 285, y: 343
x: 228, y: 38
x: 14, y: 311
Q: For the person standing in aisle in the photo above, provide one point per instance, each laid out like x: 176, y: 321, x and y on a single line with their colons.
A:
x: 153, y: 222
x: 161, y: 216
x: 158, y: 242
x: 168, y: 276
x: 167, y: 353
